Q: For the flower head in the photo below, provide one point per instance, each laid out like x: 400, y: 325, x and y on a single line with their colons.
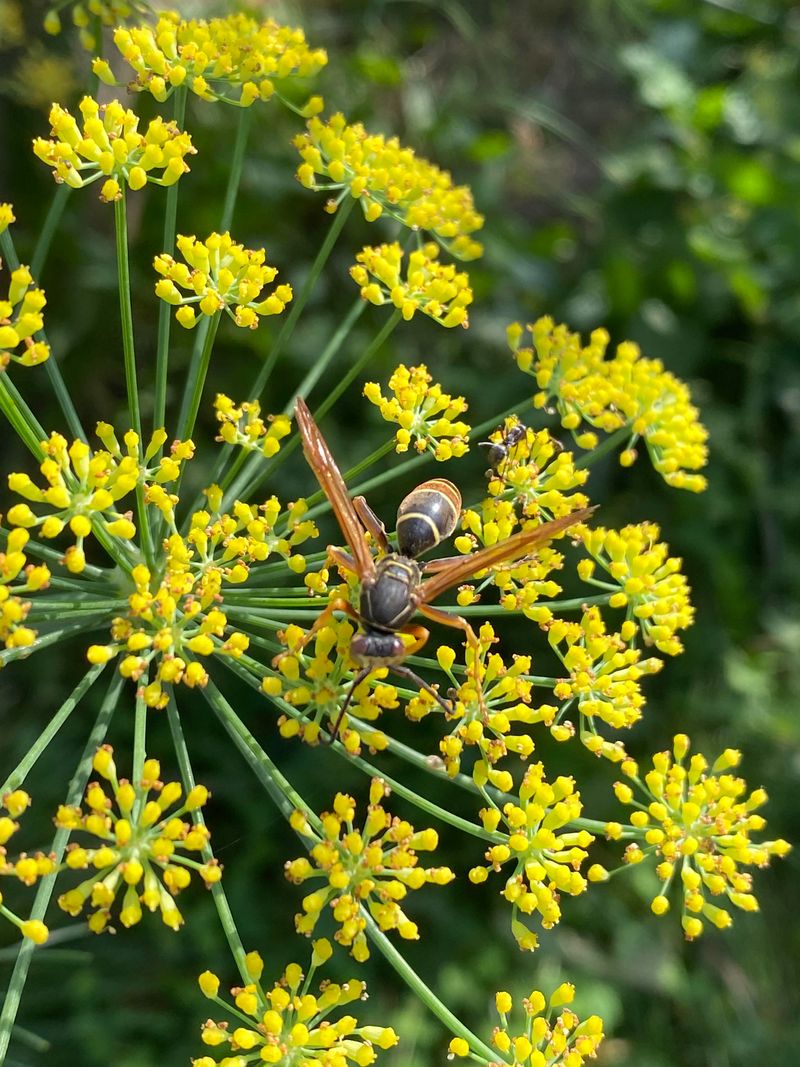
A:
x: 626, y: 391
x: 546, y: 854
x: 546, y: 1037
x: 434, y: 288
x: 388, y: 179
x: 21, y: 316
x: 84, y: 487
x: 650, y: 582
x: 603, y: 674
x: 290, y: 1024
x: 219, y: 275
x: 242, y: 425
x: 141, y: 845
x: 177, y: 619
x: 699, y: 820
x: 534, y: 471
x: 489, y: 701
x: 373, y: 867
x: 425, y: 414
x: 237, y: 58
x: 109, y: 146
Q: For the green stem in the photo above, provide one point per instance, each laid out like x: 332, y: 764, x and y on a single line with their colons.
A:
x: 15, y: 779
x: 235, y: 171
x: 49, y: 227
x: 196, y: 379
x: 20, y: 416
x: 47, y: 884
x: 359, y: 365
x: 610, y: 443
x: 126, y: 313
x: 217, y: 892
x: 279, y: 788
x: 242, y: 488
x: 164, y: 309
x: 428, y: 806
x: 330, y: 350
x: 290, y: 321
x: 422, y: 991
x: 139, y: 734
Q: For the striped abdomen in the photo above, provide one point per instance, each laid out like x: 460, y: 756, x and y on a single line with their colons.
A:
x: 426, y: 516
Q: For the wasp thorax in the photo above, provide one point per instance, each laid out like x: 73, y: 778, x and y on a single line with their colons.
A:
x: 426, y: 516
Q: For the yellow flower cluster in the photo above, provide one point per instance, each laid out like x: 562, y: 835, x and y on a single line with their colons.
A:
x: 242, y: 425
x: 21, y: 317
x: 83, y: 487
x: 177, y: 617
x: 388, y: 179
x: 290, y: 1025
x: 487, y: 704
x: 109, y: 12
x: 609, y: 394
x: 534, y: 471
x: 220, y: 274
x: 13, y: 609
x: 650, y: 582
x: 603, y: 675
x: 434, y: 288
x: 373, y: 867
x: 111, y: 147
x: 236, y: 59
x: 698, y: 821
x: 320, y: 683
x: 141, y: 845
x: 520, y: 582
x: 425, y: 414
x: 547, y: 854
x: 27, y: 869
x: 547, y: 1039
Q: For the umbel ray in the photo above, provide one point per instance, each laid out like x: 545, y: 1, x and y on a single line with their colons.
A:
x: 392, y: 585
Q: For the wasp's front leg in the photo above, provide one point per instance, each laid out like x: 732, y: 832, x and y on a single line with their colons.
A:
x: 325, y: 616
x: 458, y: 622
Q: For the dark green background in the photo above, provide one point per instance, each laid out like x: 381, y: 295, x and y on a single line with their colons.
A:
x: 639, y: 168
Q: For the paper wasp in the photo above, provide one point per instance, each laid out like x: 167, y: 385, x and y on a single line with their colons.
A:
x: 393, y: 589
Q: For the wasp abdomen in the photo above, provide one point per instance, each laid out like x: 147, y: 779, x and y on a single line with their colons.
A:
x: 426, y: 516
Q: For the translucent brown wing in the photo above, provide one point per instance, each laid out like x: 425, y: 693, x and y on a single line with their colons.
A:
x: 330, y: 479
x: 514, y: 547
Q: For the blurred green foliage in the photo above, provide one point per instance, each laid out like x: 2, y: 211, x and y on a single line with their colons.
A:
x: 639, y: 167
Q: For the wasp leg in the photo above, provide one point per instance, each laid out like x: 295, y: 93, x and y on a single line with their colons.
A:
x: 420, y: 635
x: 328, y: 739
x: 457, y: 622
x: 341, y: 559
x: 325, y: 616
x: 406, y: 672
x: 371, y: 523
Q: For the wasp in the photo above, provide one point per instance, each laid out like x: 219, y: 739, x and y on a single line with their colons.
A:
x: 393, y: 587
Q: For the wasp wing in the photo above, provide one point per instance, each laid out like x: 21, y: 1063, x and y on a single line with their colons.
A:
x: 330, y: 479
x: 514, y: 547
